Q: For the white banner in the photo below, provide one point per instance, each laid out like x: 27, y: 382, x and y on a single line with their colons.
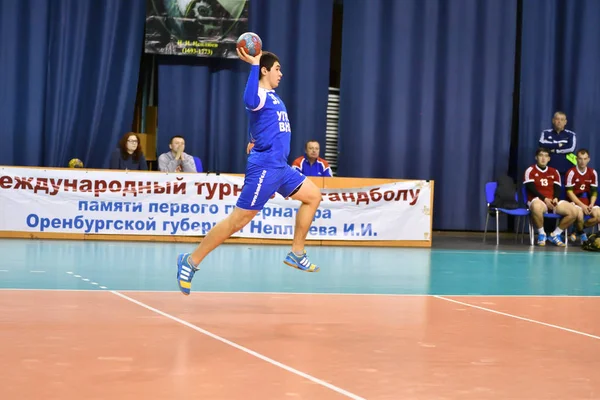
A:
x: 145, y: 203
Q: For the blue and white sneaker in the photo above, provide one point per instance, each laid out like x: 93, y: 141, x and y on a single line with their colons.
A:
x: 302, y: 263
x: 556, y: 240
x: 541, y: 239
x: 185, y: 273
x: 583, y: 238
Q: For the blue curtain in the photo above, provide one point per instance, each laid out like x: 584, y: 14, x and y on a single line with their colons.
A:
x: 23, y: 64
x: 426, y: 93
x: 69, y: 71
x: 201, y: 99
x: 559, y: 71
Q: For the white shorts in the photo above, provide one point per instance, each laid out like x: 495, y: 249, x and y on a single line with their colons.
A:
x: 544, y: 203
x: 596, y: 206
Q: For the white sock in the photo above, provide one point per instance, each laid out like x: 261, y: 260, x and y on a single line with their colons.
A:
x: 541, y: 231
x: 189, y: 260
x: 557, y: 232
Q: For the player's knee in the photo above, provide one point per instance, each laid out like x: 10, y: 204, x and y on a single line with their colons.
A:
x: 310, y: 193
x: 315, y: 196
x: 576, y: 212
x: 237, y: 225
x: 568, y: 213
x: 240, y: 219
x: 536, y: 208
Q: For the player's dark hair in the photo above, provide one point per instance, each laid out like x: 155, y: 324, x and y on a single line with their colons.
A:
x: 267, y: 60
x: 542, y: 150
x: 583, y: 151
x: 176, y: 137
x: 137, y: 153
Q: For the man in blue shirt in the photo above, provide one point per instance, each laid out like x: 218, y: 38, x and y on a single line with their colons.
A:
x: 267, y: 172
x: 311, y: 164
x: 560, y: 141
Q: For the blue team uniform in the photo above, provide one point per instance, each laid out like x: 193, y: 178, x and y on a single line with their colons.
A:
x: 267, y: 170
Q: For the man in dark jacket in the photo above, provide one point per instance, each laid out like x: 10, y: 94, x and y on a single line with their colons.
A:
x: 560, y: 141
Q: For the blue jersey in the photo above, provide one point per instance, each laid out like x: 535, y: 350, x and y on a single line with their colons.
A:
x: 270, y: 129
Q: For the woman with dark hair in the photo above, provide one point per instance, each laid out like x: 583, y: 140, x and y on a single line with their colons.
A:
x: 129, y: 155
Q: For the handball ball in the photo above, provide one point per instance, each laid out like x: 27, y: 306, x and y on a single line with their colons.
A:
x: 251, y: 42
x: 75, y: 163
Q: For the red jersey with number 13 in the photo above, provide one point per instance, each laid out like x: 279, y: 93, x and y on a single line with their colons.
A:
x: 544, y: 180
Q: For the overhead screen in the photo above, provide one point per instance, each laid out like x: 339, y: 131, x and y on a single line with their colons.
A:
x: 200, y: 28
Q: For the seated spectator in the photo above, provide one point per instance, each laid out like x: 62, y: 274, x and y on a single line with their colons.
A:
x: 176, y: 160
x: 582, y: 191
x: 129, y: 155
x: 543, y: 187
x: 311, y: 164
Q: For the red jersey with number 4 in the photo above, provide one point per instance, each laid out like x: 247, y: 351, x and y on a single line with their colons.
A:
x: 581, y: 182
x: 544, y: 180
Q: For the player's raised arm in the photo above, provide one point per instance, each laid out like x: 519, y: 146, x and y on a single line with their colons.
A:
x: 251, y: 97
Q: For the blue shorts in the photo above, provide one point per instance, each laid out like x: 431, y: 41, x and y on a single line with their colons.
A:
x: 261, y: 183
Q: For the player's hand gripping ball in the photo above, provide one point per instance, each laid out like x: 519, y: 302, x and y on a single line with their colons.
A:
x: 251, y: 43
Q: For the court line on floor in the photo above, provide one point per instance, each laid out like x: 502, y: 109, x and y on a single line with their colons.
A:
x: 199, y: 293
x: 534, y: 321
x: 536, y: 252
x: 84, y: 279
x: 241, y: 348
x: 369, y: 294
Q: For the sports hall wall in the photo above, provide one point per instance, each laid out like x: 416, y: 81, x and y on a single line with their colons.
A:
x: 453, y: 91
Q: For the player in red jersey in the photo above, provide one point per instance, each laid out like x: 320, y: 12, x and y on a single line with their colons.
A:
x: 582, y: 191
x: 543, y: 188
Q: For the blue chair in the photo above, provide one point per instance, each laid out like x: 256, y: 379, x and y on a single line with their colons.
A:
x: 490, y: 192
x: 198, y: 164
x: 546, y: 215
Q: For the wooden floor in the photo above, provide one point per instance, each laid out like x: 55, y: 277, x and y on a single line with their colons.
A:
x: 104, y: 320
